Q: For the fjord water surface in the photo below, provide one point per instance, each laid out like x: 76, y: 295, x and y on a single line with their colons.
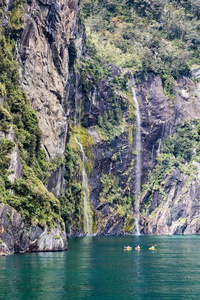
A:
x: 99, y: 268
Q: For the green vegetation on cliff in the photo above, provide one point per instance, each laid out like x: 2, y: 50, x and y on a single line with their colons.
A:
x: 95, y: 73
x: 146, y: 36
x: 120, y: 206
x: 28, y: 195
x: 72, y: 206
x: 72, y: 197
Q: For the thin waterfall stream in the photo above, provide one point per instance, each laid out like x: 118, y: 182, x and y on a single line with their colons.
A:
x: 84, y: 174
x: 138, y: 157
x: 85, y: 189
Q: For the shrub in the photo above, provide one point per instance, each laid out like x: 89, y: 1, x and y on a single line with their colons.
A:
x: 147, y: 36
x: 72, y: 54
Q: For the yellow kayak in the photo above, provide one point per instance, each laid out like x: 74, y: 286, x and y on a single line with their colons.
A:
x: 152, y: 248
x: 128, y: 248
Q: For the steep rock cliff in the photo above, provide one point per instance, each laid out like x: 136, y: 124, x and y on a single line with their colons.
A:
x: 80, y: 94
x: 114, y: 160
x: 160, y: 51
x: 51, y: 30
x: 173, y: 206
x: 43, y: 59
x: 23, y: 166
x: 61, y: 93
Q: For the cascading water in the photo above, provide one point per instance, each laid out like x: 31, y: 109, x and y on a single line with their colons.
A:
x: 85, y: 189
x: 138, y: 157
x: 84, y: 174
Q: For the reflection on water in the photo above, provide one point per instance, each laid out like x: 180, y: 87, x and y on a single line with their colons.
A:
x: 81, y: 282
x: 99, y: 268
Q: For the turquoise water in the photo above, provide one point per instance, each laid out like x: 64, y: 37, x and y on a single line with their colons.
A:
x: 99, y: 268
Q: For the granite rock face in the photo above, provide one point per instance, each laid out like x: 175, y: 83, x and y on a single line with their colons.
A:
x: 43, y: 59
x: 47, y: 240
x: 56, y: 182
x: 17, y: 237
x: 179, y: 212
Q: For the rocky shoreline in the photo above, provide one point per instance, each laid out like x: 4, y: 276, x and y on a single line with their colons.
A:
x: 17, y: 237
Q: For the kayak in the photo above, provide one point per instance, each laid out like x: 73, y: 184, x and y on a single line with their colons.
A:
x: 128, y: 248
x: 152, y: 248
x: 137, y: 248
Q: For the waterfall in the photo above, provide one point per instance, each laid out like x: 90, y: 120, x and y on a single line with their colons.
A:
x: 138, y: 157
x: 77, y: 121
x: 85, y: 189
